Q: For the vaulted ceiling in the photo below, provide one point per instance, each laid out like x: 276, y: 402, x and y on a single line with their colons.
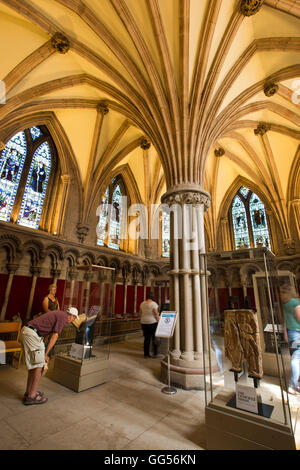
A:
x: 215, y: 92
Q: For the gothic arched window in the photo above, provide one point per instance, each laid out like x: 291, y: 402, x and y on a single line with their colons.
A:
x: 249, y: 220
x: 110, y: 214
x: 25, y: 167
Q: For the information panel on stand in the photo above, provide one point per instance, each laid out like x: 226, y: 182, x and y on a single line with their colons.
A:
x: 166, y: 324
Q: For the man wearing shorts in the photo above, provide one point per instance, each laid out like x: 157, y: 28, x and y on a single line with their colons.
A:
x: 34, y: 351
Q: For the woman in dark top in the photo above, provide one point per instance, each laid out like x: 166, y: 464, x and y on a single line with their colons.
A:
x: 50, y: 302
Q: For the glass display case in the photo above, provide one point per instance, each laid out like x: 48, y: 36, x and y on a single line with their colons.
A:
x: 249, y: 404
x: 85, y: 362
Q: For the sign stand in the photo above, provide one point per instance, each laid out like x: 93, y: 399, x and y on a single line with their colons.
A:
x: 169, y: 390
x: 165, y: 329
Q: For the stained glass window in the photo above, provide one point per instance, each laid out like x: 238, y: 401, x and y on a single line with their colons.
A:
x: 35, y: 132
x: 259, y: 222
x: 103, y: 219
x: 166, y: 234
x: 11, y: 166
x: 115, y: 219
x: 35, y: 189
x: 249, y: 220
x: 240, y: 225
x: 110, y: 216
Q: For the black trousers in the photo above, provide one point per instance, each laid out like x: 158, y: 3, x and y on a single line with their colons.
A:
x: 149, y: 334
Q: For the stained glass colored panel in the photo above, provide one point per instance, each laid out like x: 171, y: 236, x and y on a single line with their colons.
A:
x: 103, y: 216
x: 166, y: 234
x: 35, y: 132
x: 11, y: 166
x: 244, y: 191
x: 240, y: 225
x: 259, y: 222
x: 115, y: 219
x: 35, y: 189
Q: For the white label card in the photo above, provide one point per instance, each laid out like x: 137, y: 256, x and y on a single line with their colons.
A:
x: 166, y: 324
x: 246, y: 398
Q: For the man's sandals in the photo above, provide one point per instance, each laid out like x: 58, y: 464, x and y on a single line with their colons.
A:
x: 38, y: 399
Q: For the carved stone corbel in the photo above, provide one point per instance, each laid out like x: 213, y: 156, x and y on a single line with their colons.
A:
x: 270, y: 89
x: 250, y: 7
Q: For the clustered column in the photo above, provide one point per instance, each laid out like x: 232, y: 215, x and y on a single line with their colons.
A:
x: 188, y: 297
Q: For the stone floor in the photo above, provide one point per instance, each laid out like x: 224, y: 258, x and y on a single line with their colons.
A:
x: 129, y: 412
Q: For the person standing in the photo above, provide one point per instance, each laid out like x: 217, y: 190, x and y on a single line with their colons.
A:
x: 35, y: 354
x: 291, y: 312
x: 149, y: 319
x: 50, y: 302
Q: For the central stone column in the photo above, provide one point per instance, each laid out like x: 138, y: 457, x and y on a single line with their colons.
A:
x: 187, y: 204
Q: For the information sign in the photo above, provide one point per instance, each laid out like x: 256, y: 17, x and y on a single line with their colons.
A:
x: 246, y: 398
x: 166, y: 324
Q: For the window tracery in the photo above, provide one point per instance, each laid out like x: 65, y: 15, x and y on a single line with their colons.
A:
x: 249, y: 220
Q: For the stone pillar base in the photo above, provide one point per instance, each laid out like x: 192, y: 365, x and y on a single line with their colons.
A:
x: 188, y: 378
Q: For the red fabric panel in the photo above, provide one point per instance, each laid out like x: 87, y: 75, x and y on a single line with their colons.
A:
x: 107, y: 300
x: 3, y: 283
x: 41, y: 290
x: 211, y: 301
x: 94, y: 294
x: 163, y: 295
x: 119, y: 302
x: 130, y: 299
x: 139, y: 297
x: 148, y: 290
x: 60, y: 287
x: 223, y: 294
x: 250, y: 292
x: 155, y: 291
x: 238, y: 292
x: 19, y: 296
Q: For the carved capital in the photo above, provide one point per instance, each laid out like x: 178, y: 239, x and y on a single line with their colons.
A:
x: 11, y: 268
x: 60, y: 43
x: 289, y: 246
x: 65, y: 179
x: 219, y: 152
x: 35, y: 271
x: 103, y: 108
x: 145, y: 144
x: 187, y: 194
x: 261, y: 129
x: 270, y: 89
x: 250, y: 7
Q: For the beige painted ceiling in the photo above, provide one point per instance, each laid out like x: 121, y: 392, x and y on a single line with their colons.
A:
x: 187, y: 74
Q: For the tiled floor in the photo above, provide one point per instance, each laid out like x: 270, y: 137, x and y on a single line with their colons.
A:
x: 129, y: 412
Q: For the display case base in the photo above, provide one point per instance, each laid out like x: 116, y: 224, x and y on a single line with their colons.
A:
x: 229, y: 429
x: 79, y: 375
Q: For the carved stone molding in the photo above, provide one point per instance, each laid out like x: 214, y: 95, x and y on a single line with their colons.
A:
x: 82, y: 231
x: 103, y: 108
x: 145, y: 144
x: 187, y: 194
x: 219, y: 152
x: 250, y: 7
x: 60, y: 43
x: 261, y: 129
x: 270, y: 89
